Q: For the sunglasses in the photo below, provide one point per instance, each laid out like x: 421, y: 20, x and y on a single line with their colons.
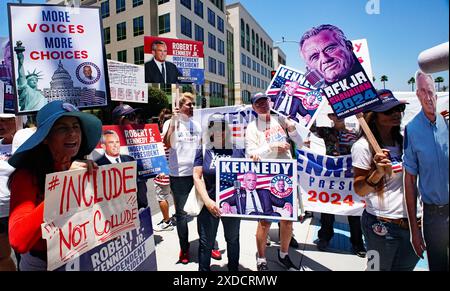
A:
x: 399, y: 108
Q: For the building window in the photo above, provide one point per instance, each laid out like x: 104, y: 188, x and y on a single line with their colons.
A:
x: 137, y: 2
x: 264, y: 52
x: 242, y: 33
x: 138, y: 26
x: 220, y: 46
x: 122, y: 56
x: 108, y: 56
x: 186, y: 3
x: 257, y: 46
x: 211, y: 41
x: 221, y: 69
x: 120, y: 6
x: 139, y: 55
x: 104, y: 8
x: 121, y: 31
x: 254, y: 66
x: 220, y: 24
x: 162, y: 1
x: 253, y: 42
x: 246, y: 96
x: 216, y: 90
x: 247, y: 36
x: 218, y: 4
x: 107, y: 35
x: 186, y: 26
x: 244, y: 77
x: 211, y: 17
x: 199, y: 33
x: 198, y: 8
x: 164, y: 23
x: 243, y: 59
x: 249, y: 62
x: 212, y: 65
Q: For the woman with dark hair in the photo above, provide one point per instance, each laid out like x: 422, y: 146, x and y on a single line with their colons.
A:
x: 63, y: 136
x: 217, y: 146
x: 379, y: 178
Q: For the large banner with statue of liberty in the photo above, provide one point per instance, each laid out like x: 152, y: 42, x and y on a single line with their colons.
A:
x: 58, y: 54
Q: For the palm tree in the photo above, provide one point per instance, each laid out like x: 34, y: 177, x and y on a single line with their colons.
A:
x: 384, y: 79
x: 439, y: 80
x: 411, y: 82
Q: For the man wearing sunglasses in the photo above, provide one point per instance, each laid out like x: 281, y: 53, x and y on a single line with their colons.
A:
x: 426, y: 156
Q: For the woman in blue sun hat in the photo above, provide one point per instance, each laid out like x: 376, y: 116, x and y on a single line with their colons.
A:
x: 63, y: 138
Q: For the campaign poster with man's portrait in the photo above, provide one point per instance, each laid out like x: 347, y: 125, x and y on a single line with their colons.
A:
x: 173, y: 61
x: 292, y: 95
x: 257, y: 190
x: 333, y: 67
x: 141, y: 143
x: 57, y: 55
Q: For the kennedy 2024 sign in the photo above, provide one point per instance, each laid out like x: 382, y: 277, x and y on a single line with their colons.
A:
x: 57, y: 55
x: 83, y: 211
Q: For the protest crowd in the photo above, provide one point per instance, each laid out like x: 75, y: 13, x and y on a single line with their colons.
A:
x: 74, y: 188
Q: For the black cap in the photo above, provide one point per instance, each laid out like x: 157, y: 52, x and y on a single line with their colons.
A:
x: 122, y: 110
x: 388, y: 101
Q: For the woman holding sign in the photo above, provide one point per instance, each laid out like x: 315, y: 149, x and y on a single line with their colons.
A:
x: 208, y: 219
x: 63, y: 135
x: 384, y: 221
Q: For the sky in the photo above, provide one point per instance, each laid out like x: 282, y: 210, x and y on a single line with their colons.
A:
x: 397, y: 33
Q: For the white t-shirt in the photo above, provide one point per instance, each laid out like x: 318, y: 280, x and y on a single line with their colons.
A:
x: 5, y: 171
x: 185, y: 141
x: 392, y: 205
x: 260, y: 134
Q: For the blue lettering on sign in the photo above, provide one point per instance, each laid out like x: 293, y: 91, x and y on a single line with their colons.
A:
x: 318, y: 165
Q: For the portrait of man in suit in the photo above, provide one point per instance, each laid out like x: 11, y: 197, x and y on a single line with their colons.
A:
x: 87, y: 72
x: 111, y: 145
x: 251, y: 201
x: 288, y: 104
x: 158, y: 70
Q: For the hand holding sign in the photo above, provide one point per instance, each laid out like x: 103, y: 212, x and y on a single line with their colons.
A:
x: 383, y: 163
x: 84, y: 164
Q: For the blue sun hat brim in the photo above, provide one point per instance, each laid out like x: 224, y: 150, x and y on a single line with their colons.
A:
x: 91, y: 127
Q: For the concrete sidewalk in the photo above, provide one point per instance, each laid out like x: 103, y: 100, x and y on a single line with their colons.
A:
x: 339, y: 258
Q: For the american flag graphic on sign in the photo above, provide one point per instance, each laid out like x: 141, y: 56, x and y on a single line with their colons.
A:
x: 280, y: 83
